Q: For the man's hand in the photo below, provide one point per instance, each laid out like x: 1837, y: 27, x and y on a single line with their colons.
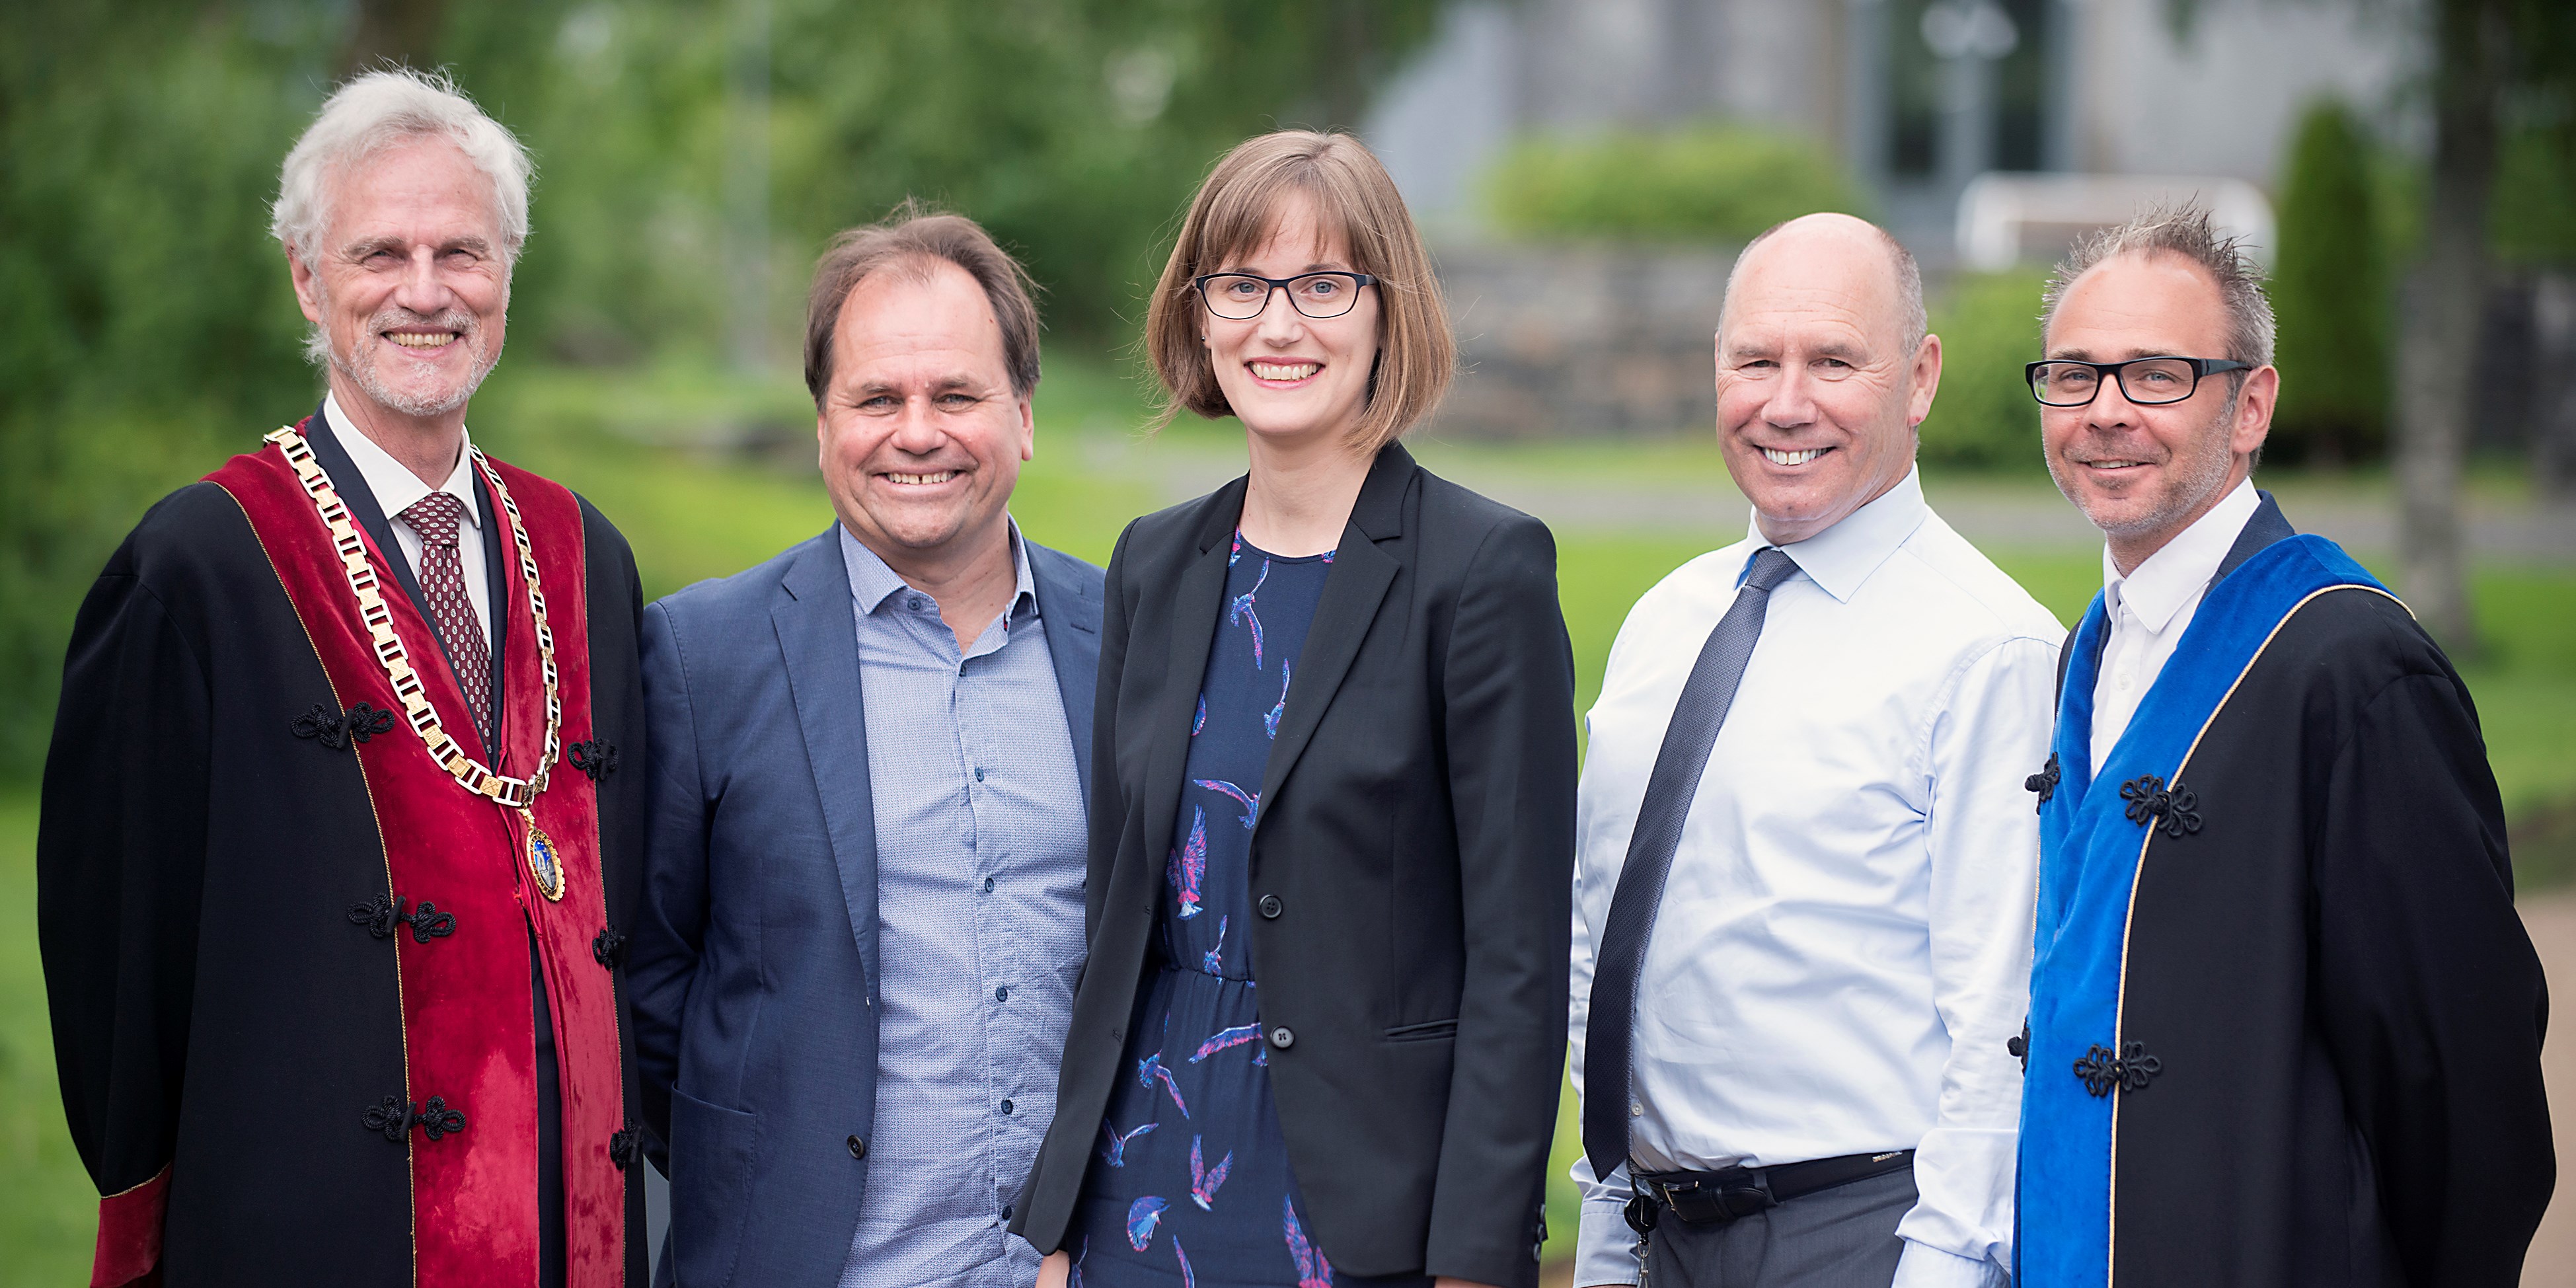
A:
x: 1443, y: 1281
x: 1053, y: 1270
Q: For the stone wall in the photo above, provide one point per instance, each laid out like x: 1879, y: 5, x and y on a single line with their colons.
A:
x: 1581, y: 340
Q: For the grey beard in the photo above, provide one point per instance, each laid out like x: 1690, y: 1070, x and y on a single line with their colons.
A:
x: 2201, y: 484
x: 318, y: 351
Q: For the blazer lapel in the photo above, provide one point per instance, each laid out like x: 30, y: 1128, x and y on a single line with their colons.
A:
x: 1196, y: 602
x: 818, y: 635
x: 1362, y: 571
x: 1072, y: 620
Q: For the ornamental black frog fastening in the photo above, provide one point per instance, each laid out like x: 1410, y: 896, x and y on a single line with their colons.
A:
x: 336, y: 729
x: 2176, y: 810
x: 380, y: 914
x: 2129, y: 1069
x: 395, y: 1117
x: 2045, y: 781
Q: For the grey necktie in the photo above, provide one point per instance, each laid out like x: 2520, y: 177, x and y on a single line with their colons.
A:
x: 1610, y: 1033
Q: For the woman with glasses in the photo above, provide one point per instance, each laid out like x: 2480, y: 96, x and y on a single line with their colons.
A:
x: 1321, y: 1032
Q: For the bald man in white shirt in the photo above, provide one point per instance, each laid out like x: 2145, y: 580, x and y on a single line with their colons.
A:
x: 1815, y: 941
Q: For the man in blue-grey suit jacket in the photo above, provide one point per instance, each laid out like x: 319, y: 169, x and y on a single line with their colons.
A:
x: 863, y: 908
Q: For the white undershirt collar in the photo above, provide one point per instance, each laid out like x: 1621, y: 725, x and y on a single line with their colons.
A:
x: 2176, y: 574
x: 393, y: 483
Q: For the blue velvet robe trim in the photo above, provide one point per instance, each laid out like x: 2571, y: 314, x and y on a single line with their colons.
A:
x: 2090, y: 852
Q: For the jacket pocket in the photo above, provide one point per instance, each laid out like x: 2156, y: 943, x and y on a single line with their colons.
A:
x: 1435, y: 1030
x: 712, y: 1152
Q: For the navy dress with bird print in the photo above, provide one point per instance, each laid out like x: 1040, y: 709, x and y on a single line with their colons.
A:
x: 1189, y: 1186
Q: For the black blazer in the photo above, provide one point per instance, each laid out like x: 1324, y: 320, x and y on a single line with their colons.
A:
x: 1412, y: 867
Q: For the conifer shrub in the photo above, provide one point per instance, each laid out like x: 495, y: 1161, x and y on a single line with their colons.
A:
x: 2331, y: 295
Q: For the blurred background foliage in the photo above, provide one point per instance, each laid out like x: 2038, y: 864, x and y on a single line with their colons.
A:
x: 149, y: 326
x: 2330, y: 297
x: 1712, y: 182
x: 1984, y: 418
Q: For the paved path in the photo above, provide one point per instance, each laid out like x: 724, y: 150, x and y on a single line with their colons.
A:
x: 2551, y: 919
x: 2358, y: 515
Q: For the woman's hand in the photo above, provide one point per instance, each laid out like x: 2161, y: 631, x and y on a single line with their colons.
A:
x: 1053, y: 1270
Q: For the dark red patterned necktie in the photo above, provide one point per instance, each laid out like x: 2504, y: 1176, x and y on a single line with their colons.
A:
x: 442, y: 581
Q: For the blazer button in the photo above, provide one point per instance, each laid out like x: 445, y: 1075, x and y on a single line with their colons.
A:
x: 1270, y: 906
x: 1281, y: 1038
x: 858, y: 1148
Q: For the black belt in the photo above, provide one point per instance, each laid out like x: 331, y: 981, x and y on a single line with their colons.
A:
x: 1715, y: 1198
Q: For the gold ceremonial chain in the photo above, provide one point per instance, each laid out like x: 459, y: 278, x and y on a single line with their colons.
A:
x: 472, y: 774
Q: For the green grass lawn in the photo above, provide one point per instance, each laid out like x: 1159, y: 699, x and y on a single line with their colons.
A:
x: 693, y: 512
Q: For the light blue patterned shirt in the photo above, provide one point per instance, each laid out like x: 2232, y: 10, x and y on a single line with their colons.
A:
x: 980, y: 840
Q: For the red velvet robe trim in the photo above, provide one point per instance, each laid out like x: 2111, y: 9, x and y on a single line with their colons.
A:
x: 469, y: 1030
x: 129, y: 1233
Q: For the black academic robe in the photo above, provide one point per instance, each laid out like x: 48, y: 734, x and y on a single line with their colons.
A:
x: 2283, y: 996
x: 222, y: 1018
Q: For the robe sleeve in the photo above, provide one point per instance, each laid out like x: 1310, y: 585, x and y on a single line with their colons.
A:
x: 2430, y: 994
x: 120, y: 858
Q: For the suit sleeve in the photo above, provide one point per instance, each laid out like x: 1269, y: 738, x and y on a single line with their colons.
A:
x: 120, y: 861
x: 1509, y: 691
x: 671, y: 921
x: 2432, y: 998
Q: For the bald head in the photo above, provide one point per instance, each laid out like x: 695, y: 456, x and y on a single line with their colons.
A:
x: 1823, y: 371
x: 1853, y: 258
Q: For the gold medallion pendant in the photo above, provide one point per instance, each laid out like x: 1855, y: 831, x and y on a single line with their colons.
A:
x: 544, y: 863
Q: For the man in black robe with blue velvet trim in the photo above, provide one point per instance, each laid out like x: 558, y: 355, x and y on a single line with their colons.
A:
x: 2285, y: 1024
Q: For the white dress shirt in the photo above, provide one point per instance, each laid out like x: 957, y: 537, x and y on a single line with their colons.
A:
x: 2151, y: 608
x: 396, y: 487
x: 1843, y: 948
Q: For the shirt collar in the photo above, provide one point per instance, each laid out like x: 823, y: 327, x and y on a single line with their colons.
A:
x: 872, y: 582
x: 393, y: 483
x: 2176, y: 574
x: 1843, y: 556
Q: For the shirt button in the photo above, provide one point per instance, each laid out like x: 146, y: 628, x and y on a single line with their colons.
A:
x: 1006, y: 1106
x: 1270, y: 907
x: 1636, y: 1110
x: 979, y: 773
x: 1006, y: 1211
x: 1281, y: 1038
x: 913, y: 603
x: 1002, y: 994
x: 988, y: 885
x: 858, y: 1148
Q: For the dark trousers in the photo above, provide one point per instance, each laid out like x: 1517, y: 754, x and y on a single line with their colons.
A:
x: 1844, y: 1237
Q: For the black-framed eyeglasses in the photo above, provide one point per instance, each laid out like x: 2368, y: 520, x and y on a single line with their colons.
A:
x: 1239, y: 297
x: 2148, y: 382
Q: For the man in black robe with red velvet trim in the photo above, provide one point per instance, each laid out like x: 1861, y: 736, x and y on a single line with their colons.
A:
x: 334, y: 849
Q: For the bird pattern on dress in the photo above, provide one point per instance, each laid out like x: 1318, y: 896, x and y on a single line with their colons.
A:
x: 1221, y: 1179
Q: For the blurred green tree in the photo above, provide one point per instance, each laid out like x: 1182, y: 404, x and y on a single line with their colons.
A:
x: 2330, y: 295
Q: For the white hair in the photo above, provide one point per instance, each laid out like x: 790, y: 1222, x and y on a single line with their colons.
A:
x: 375, y: 111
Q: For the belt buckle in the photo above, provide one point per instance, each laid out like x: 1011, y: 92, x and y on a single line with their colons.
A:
x: 1719, y: 1198
x: 1741, y: 1201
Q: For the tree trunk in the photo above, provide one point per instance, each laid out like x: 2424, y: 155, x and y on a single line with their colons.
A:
x: 2444, y: 303
x: 2553, y: 422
